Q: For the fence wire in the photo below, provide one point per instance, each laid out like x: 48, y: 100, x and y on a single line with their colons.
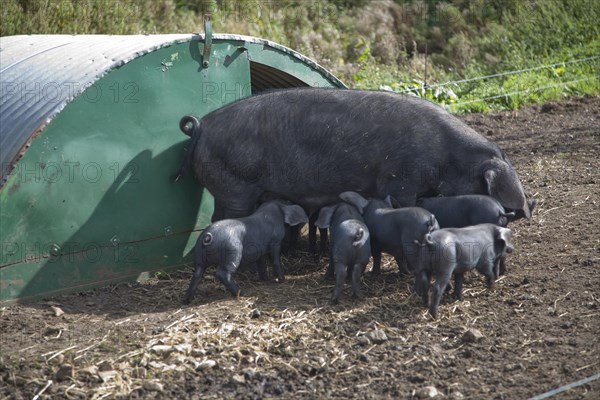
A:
x: 522, y: 91
x: 509, y: 73
x: 566, y: 387
x: 519, y: 71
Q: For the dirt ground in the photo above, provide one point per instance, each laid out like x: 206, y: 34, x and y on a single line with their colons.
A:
x: 540, y: 325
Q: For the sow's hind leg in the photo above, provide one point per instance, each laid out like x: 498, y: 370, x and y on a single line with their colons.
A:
x: 234, y: 197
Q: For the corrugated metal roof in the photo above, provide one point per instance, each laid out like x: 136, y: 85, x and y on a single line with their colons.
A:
x: 40, y: 74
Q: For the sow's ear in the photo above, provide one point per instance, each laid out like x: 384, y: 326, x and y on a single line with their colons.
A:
x: 293, y: 215
x: 355, y: 199
x: 324, y: 220
x: 502, y: 183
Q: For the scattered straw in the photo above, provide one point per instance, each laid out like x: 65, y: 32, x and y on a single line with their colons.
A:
x: 58, y: 352
x: 37, y: 396
x: 586, y: 366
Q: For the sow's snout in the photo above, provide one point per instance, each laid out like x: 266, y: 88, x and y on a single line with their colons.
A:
x: 527, y: 210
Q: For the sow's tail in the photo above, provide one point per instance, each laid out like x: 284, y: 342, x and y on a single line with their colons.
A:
x: 189, y: 125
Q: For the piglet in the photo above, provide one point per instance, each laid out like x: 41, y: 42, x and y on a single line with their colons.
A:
x: 231, y: 242
x: 350, y: 247
x: 393, y: 230
x: 456, y: 251
x: 466, y: 210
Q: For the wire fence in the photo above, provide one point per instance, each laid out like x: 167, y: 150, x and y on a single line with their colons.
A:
x: 566, y: 387
x: 519, y: 71
x: 525, y: 91
x: 477, y: 97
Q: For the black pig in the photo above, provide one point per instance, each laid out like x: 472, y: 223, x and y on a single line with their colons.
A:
x: 350, y: 247
x: 308, y: 145
x: 466, y: 210
x: 393, y: 231
x: 230, y: 242
x: 456, y: 251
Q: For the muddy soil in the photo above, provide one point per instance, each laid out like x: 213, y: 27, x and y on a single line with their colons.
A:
x: 538, y: 329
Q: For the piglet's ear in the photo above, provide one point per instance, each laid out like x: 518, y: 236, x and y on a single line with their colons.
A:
x: 294, y: 215
x: 324, y: 220
x: 503, y: 237
x: 355, y: 199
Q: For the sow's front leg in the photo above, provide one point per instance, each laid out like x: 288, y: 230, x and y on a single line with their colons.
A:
x: 312, y: 236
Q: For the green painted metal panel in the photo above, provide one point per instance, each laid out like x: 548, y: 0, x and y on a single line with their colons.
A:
x: 92, y: 200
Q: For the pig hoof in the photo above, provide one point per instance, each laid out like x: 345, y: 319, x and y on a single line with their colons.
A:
x: 186, y: 300
x: 334, y: 301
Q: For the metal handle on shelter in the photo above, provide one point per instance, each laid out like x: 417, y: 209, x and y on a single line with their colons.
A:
x: 207, y: 39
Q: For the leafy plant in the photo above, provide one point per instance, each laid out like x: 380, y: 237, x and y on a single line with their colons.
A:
x: 439, y: 94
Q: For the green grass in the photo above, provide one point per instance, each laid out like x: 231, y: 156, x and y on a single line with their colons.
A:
x: 404, y: 45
